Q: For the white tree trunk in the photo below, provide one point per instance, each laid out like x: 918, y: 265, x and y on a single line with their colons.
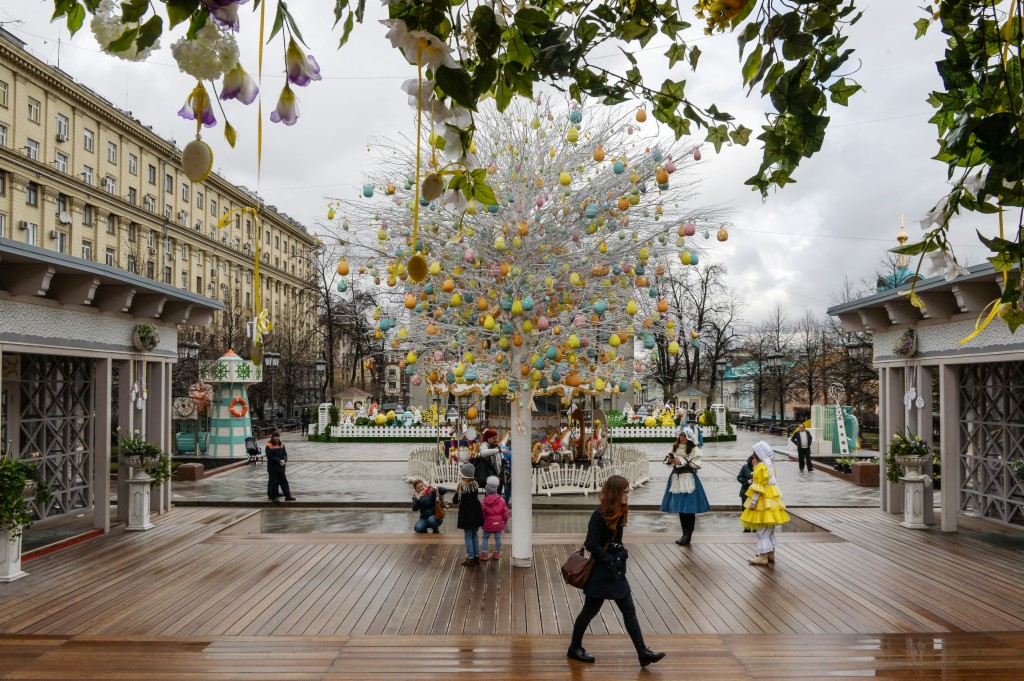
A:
x: 522, y: 478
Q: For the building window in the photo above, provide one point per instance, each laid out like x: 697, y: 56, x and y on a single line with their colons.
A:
x: 267, y: 238
x: 32, y: 234
x: 62, y: 242
x: 3, y: 182
x: 87, y: 174
x: 111, y: 224
x: 184, y: 253
x: 169, y: 184
x: 152, y: 174
x: 88, y: 139
x: 199, y: 285
x: 184, y: 280
x: 184, y: 191
x: 199, y: 200
x: 62, y: 162
x: 3, y: 94
x: 112, y: 153
x: 133, y: 164
x: 213, y: 206
x: 3, y: 224
x: 110, y: 256
x: 3, y: 136
x: 167, y: 211
x: 132, y: 233
x: 87, y: 250
x: 150, y: 203
x: 34, y: 110
x: 110, y: 184
x: 62, y: 128
x: 32, y: 195
x: 167, y: 274
x: 131, y: 264
x: 32, y: 149
x: 199, y: 226
x: 62, y: 204
x: 150, y: 269
x: 132, y: 196
x: 277, y: 242
x: 151, y: 239
x: 87, y: 215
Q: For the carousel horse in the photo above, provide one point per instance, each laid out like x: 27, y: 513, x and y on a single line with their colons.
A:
x: 544, y: 450
x: 597, y: 444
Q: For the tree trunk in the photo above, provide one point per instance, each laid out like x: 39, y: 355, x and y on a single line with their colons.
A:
x: 522, y: 478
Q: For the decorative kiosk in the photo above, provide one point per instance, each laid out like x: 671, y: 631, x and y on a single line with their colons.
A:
x: 230, y: 422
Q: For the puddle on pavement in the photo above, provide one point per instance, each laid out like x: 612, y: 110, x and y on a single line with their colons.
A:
x: 370, y: 521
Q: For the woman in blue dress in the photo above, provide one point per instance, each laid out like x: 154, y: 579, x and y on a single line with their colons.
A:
x: 683, y: 493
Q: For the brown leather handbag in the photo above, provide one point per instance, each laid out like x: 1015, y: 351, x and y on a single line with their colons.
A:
x: 576, y: 569
x: 439, y: 505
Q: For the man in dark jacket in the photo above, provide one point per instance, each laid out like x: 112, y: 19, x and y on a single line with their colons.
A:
x: 802, y: 439
x: 277, y: 456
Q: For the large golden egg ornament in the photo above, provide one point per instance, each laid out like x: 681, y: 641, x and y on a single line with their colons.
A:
x: 417, y: 268
x: 723, y: 234
x: 343, y: 268
x: 197, y: 160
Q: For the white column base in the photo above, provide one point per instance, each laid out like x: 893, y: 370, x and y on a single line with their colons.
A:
x: 522, y: 562
x: 913, y: 503
x: 138, y: 505
x: 10, y: 557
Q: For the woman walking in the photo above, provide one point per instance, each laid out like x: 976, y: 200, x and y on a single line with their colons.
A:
x: 764, y: 508
x: 683, y: 493
x: 608, y: 578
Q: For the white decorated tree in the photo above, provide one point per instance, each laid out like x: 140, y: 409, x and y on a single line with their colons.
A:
x: 543, y: 286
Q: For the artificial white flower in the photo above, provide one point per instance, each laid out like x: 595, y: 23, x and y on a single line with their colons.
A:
x: 454, y: 198
x: 942, y: 262
x: 419, y: 46
x: 411, y: 88
x: 936, y: 216
x: 212, y: 53
x: 973, y: 183
x: 107, y: 27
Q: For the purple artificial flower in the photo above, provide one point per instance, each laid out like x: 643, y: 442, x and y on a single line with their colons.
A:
x: 287, y: 110
x: 301, y: 68
x: 198, y: 105
x: 239, y: 85
x: 225, y: 12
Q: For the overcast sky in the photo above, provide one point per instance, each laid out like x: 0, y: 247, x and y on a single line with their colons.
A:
x: 793, y: 249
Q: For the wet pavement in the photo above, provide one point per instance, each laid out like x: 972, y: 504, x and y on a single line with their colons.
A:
x: 373, y: 475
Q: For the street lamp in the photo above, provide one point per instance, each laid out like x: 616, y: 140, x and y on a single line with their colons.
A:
x: 321, y: 367
x: 271, y: 360
x: 858, y: 354
x: 721, y: 365
x: 188, y: 350
x: 775, y: 364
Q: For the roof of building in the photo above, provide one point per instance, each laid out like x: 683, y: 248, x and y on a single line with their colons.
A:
x: 966, y: 295
x: 690, y: 391
x: 352, y: 393
x: 41, y: 273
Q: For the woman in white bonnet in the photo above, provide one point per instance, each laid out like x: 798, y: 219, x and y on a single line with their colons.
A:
x: 684, y: 493
x: 764, y: 510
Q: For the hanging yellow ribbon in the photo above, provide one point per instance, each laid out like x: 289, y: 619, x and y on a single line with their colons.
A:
x: 992, y: 307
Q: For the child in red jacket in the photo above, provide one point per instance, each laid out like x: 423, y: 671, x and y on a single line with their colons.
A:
x: 495, y: 517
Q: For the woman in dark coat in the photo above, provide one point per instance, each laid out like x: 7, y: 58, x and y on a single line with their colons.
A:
x: 608, y: 578
x: 424, y: 500
x: 471, y: 513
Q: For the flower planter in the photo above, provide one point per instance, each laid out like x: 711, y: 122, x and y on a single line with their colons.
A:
x: 912, y: 465
x: 914, y: 484
x: 141, y: 344
x: 10, y: 556
x: 139, y: 464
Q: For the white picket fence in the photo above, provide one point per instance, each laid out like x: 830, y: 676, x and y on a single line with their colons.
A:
x: 349, y: 430
x: 628, y: 462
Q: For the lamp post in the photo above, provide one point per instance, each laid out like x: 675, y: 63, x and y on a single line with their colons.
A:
x: 271, y: 360
x: 857, y: 355
x: 190, y: 350
x: 775, y: 364
x: 321, y: 367
x: 721, y: 365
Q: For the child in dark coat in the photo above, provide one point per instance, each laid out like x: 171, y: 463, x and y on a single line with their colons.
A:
x: 471, y: 514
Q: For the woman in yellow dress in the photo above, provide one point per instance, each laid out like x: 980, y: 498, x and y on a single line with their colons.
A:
x: 764, y: 510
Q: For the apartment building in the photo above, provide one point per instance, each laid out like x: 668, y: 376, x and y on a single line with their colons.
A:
x: 81, y: 177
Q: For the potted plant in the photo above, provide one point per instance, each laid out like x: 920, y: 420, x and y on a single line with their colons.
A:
x: 906, y: 344
x: 906, y: 452
x: 20, y: 481
x: 138, y: 453
x: 145, y: 337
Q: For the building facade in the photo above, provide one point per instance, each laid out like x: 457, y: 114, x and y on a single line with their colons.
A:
x: 80, y: 177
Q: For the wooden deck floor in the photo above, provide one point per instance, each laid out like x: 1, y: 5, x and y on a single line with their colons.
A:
x: 185, y: 600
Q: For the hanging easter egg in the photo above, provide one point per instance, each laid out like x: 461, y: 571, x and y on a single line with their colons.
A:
x: 342, y: 286
x: 197, y: 160
x: 343, y: 268
x: 670, y: 167
x: 417, y: 268
x: 707, y: 234
x: 528, y: 303
x: 575, y: 116
x: 694, y: 259
x: 690, y: 229
x: 471, y: 377
x: 686, y: 257
x: 599, y: 153
x: 656, y: 155
x: 696, y: 154
x: 614, y: 340
x: 623, y: 204
x: 368, y: 190
x: 661, y: 175
x: 673, y: 348
x: 456, y: 300
x: 330, y: 214
x: 564, y: 179
x: 573, y: 136
x: 619, y: 167
x: 649, y: 341
x: 723, y: 234
x: 641, y: 115
x: 517, y: 307
x: 590, y: 211
x: 600, y: 307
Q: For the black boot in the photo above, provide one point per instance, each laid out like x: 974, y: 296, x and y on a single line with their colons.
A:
x: 687, y: 521
x: 684, y: 540
x: 648, y: 656
x: 580, y: 654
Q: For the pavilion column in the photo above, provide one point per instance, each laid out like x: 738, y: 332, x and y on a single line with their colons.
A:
x: 101, y: 449
x: 926, y: 430
x: 126, y: 419
x: 157, y: 414
x: 894, y: 421
x: 522, y: 471
x: 949, y: 443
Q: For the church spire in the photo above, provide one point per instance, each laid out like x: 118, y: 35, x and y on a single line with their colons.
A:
x: 902, y: 237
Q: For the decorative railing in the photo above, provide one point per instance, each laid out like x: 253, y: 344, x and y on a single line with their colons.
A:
x: 349, y: 430
x: 628, y: 462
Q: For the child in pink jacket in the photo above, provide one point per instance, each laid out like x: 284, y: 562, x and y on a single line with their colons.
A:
x: 495, y: 517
